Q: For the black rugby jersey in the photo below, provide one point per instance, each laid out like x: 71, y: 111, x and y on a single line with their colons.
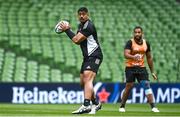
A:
x: 90, y: 47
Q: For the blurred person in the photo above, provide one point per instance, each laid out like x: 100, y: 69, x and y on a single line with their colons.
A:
x: 86, y: 37
x: 134, y: 52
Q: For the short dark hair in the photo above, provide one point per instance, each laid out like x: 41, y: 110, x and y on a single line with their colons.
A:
x: 138, y: 27
x: 83, y: 9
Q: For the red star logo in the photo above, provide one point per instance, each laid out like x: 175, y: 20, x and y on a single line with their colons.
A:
x: 103, y: 95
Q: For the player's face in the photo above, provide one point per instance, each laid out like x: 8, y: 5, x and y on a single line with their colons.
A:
x: 138, y: 34
x: 83, y: 16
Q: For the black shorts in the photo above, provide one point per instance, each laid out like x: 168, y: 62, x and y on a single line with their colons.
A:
x: 133, y: 73
x: 91, y: 63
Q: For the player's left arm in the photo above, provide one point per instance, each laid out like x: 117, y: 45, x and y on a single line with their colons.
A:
x: 150, y: 62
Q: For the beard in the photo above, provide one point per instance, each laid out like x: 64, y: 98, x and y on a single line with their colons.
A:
x: 138, y: 37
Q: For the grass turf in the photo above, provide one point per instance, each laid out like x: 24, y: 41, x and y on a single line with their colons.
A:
x: 35, y: 110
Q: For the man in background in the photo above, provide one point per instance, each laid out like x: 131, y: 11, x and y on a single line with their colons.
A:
x: 135, y: 51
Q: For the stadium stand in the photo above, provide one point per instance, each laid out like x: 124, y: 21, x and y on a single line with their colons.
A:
x: 56, y: 75
x: 30, y: 50
x: 32, y: 71
x: 8, y: 67
x: 20, y: 69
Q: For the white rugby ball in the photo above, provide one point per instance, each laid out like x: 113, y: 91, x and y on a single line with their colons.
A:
x: 58, y: 29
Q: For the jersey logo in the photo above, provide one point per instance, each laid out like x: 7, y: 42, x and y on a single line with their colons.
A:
x: 88, y: 67
x: 97, y: 61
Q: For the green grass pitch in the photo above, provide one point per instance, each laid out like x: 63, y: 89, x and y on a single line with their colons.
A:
x: 64, y: 110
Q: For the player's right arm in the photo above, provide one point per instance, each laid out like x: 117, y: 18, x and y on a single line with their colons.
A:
x: 80, y: 36
x: 76, y: 38
x: 127, y: 52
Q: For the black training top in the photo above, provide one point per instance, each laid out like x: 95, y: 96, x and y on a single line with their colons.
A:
x: 90, y: 47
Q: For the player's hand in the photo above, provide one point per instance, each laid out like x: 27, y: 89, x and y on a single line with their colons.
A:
x: 137, y: 57
x: 154, y: 76
x: 64, y: 26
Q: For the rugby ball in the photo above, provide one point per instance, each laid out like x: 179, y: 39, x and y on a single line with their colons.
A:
x: 58, y: 29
